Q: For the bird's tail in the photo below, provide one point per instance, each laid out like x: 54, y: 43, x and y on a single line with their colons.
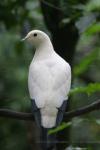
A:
x: 48, y: 141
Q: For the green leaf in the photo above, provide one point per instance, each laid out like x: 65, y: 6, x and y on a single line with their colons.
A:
x: 64, y: 22
x: 97, y: 121
x: 93, y: 5
x: 90, y: 89
x: 94, y: 28
x: 85, y: 62
x: 59, y: 128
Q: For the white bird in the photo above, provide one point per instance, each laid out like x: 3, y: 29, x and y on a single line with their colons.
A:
x: 49, y: 83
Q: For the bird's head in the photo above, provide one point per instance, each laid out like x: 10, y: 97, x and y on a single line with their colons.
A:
x: 36, y: 37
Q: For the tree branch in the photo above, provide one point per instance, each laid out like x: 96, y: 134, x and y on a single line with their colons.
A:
x: 16, y: 115
x: 81, y: 111
x: 28, y: 116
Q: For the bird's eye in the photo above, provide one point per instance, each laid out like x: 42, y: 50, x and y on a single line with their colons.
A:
x: 35, y: 34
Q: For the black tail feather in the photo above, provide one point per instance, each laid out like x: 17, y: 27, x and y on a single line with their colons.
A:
x: 60, y: 114
x: 48, y: 142
x: 36, y: 113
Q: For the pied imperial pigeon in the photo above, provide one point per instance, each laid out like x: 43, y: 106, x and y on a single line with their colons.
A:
x: 49, y: 83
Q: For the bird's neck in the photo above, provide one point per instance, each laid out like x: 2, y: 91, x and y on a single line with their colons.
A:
x: 44, y: 51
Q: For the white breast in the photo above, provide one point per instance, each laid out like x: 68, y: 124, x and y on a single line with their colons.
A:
x: 49, y: 82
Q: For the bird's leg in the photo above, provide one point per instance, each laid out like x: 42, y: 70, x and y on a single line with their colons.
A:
x: 48, y: 142
x: 61, y: 111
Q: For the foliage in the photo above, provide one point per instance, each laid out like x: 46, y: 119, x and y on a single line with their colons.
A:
x: 90, y: 89
x: 93, y: 29
x: 93, y: 5
x: 59, y: 128
x: 85, y: 62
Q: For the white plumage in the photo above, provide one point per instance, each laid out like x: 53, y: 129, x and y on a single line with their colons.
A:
x: 49, y: 78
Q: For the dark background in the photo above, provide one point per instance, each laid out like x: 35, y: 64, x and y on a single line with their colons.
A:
x: 74, y: 28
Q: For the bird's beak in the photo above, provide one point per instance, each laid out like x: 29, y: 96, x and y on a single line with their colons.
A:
x: 24, y: 38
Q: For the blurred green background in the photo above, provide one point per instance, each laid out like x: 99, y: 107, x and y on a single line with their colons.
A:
x: 17, y: 18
